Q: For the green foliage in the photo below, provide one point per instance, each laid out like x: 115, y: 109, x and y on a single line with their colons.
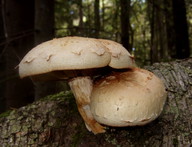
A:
x: 67, y: 22
x: 67, y: 18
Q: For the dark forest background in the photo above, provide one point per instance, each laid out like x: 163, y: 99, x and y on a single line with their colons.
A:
x: 151, y: 30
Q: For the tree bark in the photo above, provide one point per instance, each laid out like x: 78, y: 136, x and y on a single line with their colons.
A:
x: 55, y: 121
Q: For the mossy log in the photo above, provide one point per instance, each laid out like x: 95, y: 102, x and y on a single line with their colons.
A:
x: 55, y: 122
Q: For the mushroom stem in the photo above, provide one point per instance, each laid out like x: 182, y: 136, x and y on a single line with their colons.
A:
x: 82, y: 88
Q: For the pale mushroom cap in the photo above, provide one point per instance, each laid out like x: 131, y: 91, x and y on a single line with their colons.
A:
x: 135, y: 97
x: 73, y: 53
x: 68, y: 53
x: 120, y: 57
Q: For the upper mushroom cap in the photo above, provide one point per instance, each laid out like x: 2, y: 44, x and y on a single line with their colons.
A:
x: 67, y: 53
x: 120, y: 57
x: 134, y: 97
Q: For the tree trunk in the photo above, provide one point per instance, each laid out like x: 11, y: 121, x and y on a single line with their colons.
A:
x: 116, y: 20
x: 44, y: 27
x: 19, y: 32
x: 81, y: 25
x: 55, y: 121
x: 181, y: 29
x: 170, y: 28
x: 2, y: 57
x: 125, y: 23
x: 152, y: 16
x: 97, y: 18
x: 159, y: 45
x: 103, y: 15
x: 163, y: 45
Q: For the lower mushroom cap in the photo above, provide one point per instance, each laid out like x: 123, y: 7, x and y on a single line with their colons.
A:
x: 134, y: 97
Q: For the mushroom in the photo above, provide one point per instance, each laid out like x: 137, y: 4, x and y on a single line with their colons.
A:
x: 129, y: 98
x: 78, y: 60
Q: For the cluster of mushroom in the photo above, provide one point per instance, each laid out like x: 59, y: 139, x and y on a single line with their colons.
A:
x: 120, y: 95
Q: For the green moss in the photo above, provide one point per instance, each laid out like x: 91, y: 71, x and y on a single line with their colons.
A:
x: 175, y: 142
x: 65, y: 94
x: 57, y: 124
x: 5, y: 114
x: 15, y: 128
x: 77, y: 137
x: 111, y: 139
